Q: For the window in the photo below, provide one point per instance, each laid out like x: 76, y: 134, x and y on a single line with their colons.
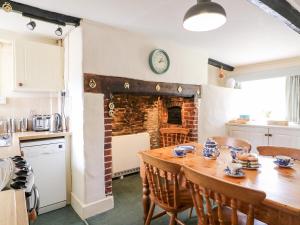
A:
x: 265, y: 99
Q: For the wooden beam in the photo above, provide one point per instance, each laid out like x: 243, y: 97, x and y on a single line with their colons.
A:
x: 115, y: 85
x: 282, y: 10
x: 218, y: 64
x: 41, y: 14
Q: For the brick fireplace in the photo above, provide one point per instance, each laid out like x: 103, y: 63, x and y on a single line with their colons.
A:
x: 139, y: 106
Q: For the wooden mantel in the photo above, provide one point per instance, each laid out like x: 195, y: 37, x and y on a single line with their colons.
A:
x: 113, y: 85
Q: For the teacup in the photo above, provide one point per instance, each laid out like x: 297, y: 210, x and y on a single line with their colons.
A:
x: 234, y: 168
x: 283, y: 160
x: 179, y: 152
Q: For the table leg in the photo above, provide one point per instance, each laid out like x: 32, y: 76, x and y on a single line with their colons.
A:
x: 146, y: 198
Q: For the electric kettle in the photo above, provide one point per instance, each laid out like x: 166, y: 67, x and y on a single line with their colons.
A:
x: 55, y: 122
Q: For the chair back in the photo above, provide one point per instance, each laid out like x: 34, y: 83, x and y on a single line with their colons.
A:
x: 203, y: 187
x: 234, y: 142
x: 174, y: 136
x: 163, y: 181
x: 274, y: 151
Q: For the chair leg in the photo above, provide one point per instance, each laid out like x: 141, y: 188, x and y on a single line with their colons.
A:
x: 191, y: 212
x: 172, y: 219
x: 150, y: 213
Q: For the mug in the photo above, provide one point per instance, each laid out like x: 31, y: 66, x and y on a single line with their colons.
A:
x: 234, y: 168
x: 283, y: 160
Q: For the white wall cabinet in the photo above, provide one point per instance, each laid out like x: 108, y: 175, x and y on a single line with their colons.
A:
x: 38, y: 67
x: 264, y: 135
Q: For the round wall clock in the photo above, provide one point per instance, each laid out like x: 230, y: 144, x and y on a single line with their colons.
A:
x: 159, y: 61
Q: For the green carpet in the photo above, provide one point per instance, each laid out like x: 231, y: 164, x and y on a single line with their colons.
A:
x: 128, y: 209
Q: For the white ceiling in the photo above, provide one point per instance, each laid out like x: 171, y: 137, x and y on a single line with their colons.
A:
x: 249, y: 36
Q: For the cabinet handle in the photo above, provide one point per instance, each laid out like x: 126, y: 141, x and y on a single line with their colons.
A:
x: 20, y: 84
x: 268, y: 135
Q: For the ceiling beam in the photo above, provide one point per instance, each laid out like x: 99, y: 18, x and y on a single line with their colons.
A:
x: 41, y: 14
x: 282, y: 10
x: 218, y: 64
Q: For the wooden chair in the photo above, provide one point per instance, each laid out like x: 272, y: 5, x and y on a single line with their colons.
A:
x: 164, y: 189
x: 274, y: 151
x: 174, y: 136
x: 203, y: 187
x: 234, y: 142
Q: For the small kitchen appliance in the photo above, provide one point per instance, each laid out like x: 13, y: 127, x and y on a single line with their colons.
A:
x: 55, y: 122
x: 41, y: 122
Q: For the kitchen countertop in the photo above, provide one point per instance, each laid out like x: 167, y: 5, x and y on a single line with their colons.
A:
x: 13, y: 208
x: 12, y: 203
x: 14, y: 148
x: 256, y: 124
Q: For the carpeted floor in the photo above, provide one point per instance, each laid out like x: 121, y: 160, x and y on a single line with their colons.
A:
x: 127, y: 211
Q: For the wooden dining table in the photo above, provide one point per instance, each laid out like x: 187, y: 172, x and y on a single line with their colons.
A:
x: 281, y: 185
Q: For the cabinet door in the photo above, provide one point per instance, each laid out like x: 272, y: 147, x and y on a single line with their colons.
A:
x: 257, y: 136
x: 38, y: 67
x: 284, y: 137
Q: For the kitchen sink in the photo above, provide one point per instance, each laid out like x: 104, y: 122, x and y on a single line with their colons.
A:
x: 5, y: 140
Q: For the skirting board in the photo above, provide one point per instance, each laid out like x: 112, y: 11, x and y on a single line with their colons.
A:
x: 88, y: 210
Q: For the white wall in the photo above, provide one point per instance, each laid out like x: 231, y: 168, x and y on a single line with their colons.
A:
x: 115, y: 52
x: 74, y: 78
x: 218, y: 106
x: 112, y: 52
x: 277, y: 68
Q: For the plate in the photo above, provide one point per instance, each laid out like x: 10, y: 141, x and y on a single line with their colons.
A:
x: 288, y: 166
x: 239, y: 175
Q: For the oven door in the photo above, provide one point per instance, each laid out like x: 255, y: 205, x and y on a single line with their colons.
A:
x: 33, y: 204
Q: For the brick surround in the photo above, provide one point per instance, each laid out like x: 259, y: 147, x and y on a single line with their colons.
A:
x: 138, y: 113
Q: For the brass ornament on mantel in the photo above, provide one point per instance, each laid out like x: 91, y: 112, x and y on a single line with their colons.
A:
x: 157, y: 87
x: 92, y: 83
x: 126, y: 85
x: 179, y: 89
x: 7, y: 7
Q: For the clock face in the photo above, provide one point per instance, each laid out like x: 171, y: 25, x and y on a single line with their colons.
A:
x: 159, y: 61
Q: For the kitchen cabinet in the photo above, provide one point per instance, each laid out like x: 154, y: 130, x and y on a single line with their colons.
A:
x: 266, y: 135
x: 37, y: 67
x: 284, y: 137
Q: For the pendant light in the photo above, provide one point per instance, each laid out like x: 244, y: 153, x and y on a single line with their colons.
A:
x: 204, y: 16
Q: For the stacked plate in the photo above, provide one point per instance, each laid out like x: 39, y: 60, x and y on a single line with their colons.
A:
x: 248, y: 161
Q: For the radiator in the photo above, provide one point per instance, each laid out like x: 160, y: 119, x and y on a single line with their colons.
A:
x: 125, y: 150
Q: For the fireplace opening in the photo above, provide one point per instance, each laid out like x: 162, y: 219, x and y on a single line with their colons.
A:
x: 134, y: 125
x: 174, y: 115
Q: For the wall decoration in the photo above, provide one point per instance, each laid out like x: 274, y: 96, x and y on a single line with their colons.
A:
x: 126, y: 85
x: 92, y: 83
x: 179, y: 89
x: 159, y: 61
x: 157, y: 87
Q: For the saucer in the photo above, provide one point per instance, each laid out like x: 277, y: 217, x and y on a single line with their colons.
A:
x: 240, y: 174
x: 186, y: 148
x: 287, y: 166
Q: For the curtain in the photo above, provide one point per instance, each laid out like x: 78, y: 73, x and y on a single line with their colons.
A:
x: 293, y: 98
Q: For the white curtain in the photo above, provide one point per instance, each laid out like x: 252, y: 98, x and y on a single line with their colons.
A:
x: 293, y: 98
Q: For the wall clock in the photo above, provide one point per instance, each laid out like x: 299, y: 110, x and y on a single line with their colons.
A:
x: 159, y: 61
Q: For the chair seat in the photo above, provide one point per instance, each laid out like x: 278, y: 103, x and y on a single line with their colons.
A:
x: 242, y: 218
x: 184, y: 199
